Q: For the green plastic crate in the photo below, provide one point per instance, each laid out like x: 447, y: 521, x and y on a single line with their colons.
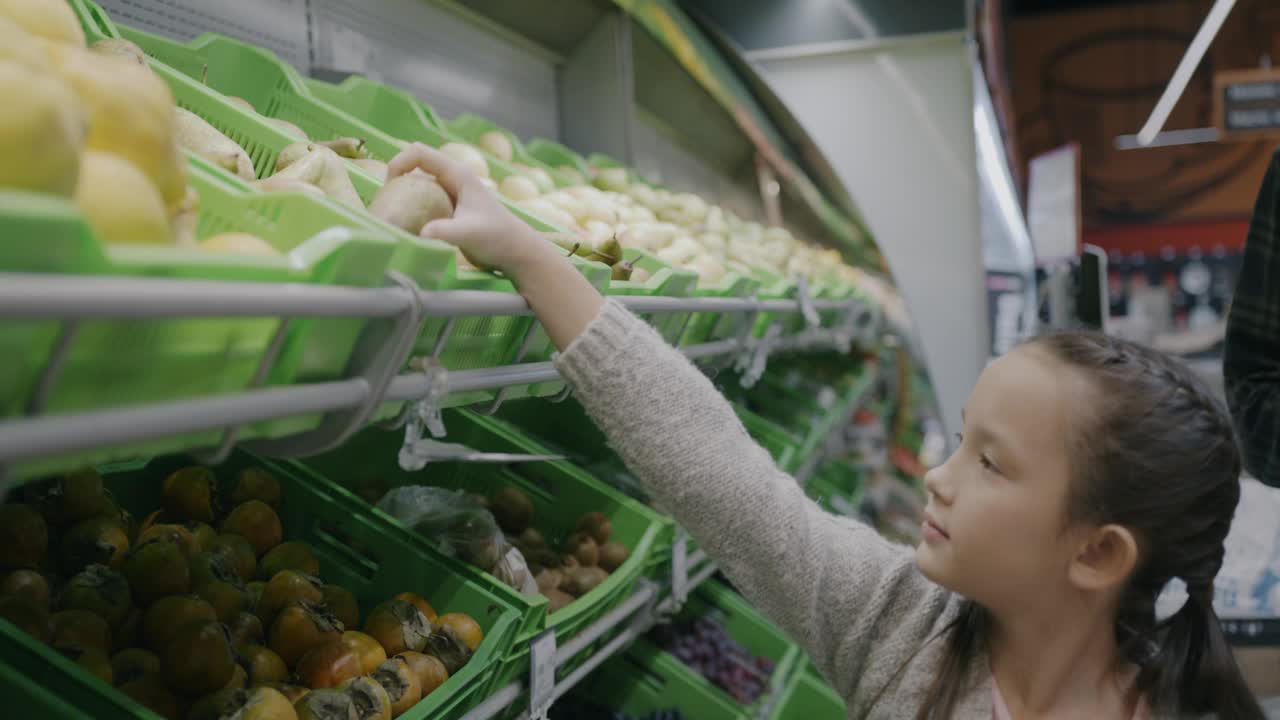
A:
x: 474, y: 342
x: 122, y: 361
x: 665, y: 281
x: 646, y: 680
x: 94, y: 21
x: 272, y: 86
x: 561, y: 492
x: 355, y: 551
x: 705, y: 327
x: 807, y: 698
x: 470, y: 127
x: 748, y: 627
x: 554, y: 155
x: 390, y: 109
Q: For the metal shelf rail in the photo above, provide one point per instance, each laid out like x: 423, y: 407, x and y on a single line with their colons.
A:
x: 396, y: 314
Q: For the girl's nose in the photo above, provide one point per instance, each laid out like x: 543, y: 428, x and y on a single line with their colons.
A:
x: 935, y: 482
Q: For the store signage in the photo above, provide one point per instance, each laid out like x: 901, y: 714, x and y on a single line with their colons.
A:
x: 1247, y: 102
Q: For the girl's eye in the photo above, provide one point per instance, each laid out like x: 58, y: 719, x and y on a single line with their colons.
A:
x: 987, y: 464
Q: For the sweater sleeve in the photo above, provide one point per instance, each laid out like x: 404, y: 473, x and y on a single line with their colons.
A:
x: 855, y: 602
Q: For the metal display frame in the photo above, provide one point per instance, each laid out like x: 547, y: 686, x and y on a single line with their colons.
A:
x: 396, y: 313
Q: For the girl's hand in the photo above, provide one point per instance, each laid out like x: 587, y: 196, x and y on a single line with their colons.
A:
x: 486, y: 232
x: 491, y: 237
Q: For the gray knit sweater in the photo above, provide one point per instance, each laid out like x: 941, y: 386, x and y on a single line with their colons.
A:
x: 857, y: 603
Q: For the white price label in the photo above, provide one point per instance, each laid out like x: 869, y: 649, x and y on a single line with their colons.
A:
x: 542, y: 674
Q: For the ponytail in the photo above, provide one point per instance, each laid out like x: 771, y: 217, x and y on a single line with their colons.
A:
x: 1193, y: 670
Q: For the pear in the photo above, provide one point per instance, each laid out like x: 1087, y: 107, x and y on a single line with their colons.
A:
x: 277, y: 183
x: 498, y: 145
x: 347, y: 147
x: 184, y: 220
x: 50, y: 19
x: 239, y: 243
x: 322, y: 167
x: 608, y: 252
x: 119, y: 201
x: 203, y: 139
x: 17, y: 45
x: 518, y: 188
x: 292, y: 153
x: 130, y: 115
x: 468, y: 156
x: 614, y: 179
x: 289, y: 127
x: 122, y: 47
x: 42, y: 135
x: 411, y: 201
x: 241, y: 102
x: 376, y: 168
x: 307, y: 167
x: 571, y: 174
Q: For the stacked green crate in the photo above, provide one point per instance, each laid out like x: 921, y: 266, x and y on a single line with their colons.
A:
x: 560, y: 491
x: 124, y: 361
x: 477, y: 342
x: 553, y: 154
x: 356, y: 551
x: 755, y: 633
x: 472, y: 128
x: 808, y: 698
x: 646, y: 680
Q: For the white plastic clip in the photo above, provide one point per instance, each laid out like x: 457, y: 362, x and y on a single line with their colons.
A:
x: 424, y: 414
x: 751, y: 364
x: 810, y: 313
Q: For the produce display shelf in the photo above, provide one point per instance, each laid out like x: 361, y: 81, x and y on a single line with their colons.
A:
x: 374, y: 375
x: 560, y: 492
x: 355, y: 552
x: 199, y: 72
x: 808, y: 698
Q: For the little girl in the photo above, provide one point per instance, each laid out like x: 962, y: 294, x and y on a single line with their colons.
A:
x: 1091, y: 473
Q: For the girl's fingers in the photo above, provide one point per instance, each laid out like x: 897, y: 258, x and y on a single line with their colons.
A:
x: 449, y: 173
x: 448, y: 230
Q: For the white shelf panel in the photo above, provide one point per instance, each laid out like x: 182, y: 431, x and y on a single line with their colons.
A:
x: 278, y: 25
x: 451, y: 62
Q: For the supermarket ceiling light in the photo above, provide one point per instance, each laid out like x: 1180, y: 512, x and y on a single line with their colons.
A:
x: 1182, y: 75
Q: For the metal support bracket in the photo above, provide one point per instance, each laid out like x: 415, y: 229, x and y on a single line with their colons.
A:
x: 232, y: 434
x: 752, y: 363
x: 811, y: 318
x: 380, y: 354
x: 505, y: 390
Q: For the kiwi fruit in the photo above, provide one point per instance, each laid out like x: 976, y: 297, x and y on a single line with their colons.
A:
x: 612, y: 555
x: 582, y: 580
x: 532, y: 539
x: 558, y: 600
x: 596, y: 525
x: 513, y: 510
x: 587, y: 552
x: 548, y: 579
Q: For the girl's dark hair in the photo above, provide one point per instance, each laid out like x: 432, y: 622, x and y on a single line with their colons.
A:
x: 1156, y: 453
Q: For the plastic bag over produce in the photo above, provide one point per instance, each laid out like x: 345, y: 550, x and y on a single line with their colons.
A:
x: 460, y: 527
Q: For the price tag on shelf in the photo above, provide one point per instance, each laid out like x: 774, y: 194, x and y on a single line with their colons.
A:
x: 542, y: 674
x: 680, y: 568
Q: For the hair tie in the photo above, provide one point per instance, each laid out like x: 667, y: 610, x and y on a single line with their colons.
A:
x: 1171, y: 599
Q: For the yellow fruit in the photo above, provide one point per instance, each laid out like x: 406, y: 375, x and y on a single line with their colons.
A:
x: 119, y: 201
x: 239, y: 243
x: 131, y: 114
x: 20, y: 47
x: 120, y: 46
x: 50, y: 19
x: 197, y: 135
x: 42, y: 134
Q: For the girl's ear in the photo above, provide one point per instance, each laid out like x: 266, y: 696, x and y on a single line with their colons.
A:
x: 1105, y: 560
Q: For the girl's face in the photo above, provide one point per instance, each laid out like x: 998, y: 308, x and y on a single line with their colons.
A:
x: 994, y: 527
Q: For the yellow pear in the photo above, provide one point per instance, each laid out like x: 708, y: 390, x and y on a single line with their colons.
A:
x: 41, y: 133
x: 205, y: 140
x: 184, y: 220
x: 51, y: 19
x: 17, y: 45
x: 240, y: 243
x: 120, y: 203
x: 130, y: 115
x: 120, y: 46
